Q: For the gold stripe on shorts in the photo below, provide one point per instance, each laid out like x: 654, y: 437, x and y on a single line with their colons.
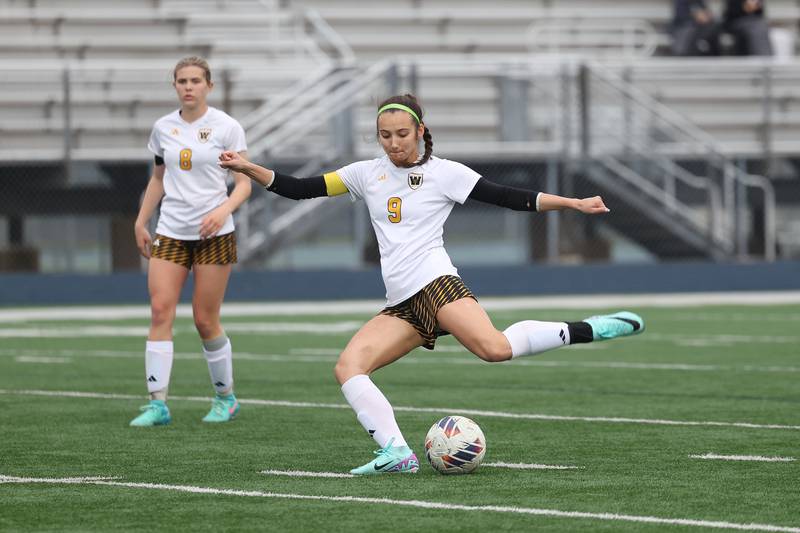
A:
x: 219, y: 250
x: 420, y: 310
x: 172, y: 250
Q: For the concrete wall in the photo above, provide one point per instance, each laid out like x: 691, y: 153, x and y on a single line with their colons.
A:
x: 32, y: 289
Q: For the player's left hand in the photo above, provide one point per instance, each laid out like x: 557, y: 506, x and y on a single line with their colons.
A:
x: 592, y: 206
x: 213, y: 222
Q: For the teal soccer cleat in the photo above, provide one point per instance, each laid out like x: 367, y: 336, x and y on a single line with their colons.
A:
x: 398, y: 459
x: 154, y: 414
x: 223, y: 409
x: 619, y: 324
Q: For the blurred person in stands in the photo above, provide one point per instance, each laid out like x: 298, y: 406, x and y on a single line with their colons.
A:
x: 409, y: 197
x: 694, y: 30
x: 745, y: 20
x: 194, y: 232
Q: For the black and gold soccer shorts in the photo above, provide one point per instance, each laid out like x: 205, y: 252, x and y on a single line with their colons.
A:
x: 219, y: 250
x: 420, y: 310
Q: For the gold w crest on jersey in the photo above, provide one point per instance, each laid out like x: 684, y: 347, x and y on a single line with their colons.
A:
x: 415, y: 180
x: 203, y: 134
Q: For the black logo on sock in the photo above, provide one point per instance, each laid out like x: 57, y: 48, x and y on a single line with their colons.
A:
x: 371, y: 432
x: 219, y: 384
x: 152, y: 379
x: 563, y: 337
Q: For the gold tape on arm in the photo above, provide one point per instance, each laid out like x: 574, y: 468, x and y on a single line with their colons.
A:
x: 334, y: 184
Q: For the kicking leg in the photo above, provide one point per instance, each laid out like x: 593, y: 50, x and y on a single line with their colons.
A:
x: 466, y: 320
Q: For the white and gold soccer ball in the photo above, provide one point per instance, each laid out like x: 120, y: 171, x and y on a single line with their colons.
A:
x: 455, y: 445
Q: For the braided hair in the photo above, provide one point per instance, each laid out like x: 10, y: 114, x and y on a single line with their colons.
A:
x: 410, y: 101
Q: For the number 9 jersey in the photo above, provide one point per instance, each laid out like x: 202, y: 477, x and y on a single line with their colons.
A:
x: 408, y: 208
x: 194, y: 185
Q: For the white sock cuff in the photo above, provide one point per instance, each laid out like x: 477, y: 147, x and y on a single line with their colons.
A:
x: 354, y: 387
x: 531, y: 337
x: 216, y: 355
x: 159, y: 346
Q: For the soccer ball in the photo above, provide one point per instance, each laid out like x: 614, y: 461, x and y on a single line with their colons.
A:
x: 455, y: 445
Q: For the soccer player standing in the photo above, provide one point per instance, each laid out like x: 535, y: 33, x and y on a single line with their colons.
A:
x: 195, y: 232
x: 409, y: 198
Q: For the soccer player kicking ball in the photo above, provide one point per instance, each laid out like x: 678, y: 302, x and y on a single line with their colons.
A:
x: 195, y: 232
x: 409, y: 198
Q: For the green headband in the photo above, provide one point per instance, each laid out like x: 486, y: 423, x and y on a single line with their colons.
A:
x: 401, y: 107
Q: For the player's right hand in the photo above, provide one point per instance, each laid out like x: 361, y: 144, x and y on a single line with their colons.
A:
x: 143, y: 241
x: 231, y: 160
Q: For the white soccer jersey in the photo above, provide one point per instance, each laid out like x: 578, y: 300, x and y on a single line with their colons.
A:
x: 194, y: 185
x: 408, y: 208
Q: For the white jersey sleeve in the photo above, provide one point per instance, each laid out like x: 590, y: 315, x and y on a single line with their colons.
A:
x: 353, y: 176
x: 154, y: 144
x: 236, y: 139
x: 457, y: 180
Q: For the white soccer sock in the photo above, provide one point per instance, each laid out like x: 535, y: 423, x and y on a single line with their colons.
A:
x: 373, y: 410
x: 158, y: 365
x: 220, y: 365
x: 531, y: 337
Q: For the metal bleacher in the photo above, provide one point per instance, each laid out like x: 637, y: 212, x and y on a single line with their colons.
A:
x: 112, y: 65
x: 85, y: 79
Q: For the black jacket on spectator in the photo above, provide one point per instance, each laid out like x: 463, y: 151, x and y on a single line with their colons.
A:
x: 734, y: 9
x: 683, y: 9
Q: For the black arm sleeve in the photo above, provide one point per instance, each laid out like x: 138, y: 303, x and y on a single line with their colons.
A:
x: 298, y: 188
x: 158, y: 160
x: 504, y: 196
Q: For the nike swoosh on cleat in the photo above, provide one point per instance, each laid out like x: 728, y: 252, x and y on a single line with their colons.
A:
x: 381, y: 467
x: 633, y: 323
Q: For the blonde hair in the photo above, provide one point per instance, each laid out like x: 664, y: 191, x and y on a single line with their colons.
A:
x: 193, y: 61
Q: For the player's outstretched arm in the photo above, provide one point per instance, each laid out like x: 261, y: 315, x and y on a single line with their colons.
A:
x: 527, y: 200
x: 282, y: 184
x: 590, y: 206
x: 234, y: 161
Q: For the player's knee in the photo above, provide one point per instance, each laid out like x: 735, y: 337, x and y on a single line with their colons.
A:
x: 161, y: 312
x: 348, y: 365
x: 493, y: 349
x: 206, y: 325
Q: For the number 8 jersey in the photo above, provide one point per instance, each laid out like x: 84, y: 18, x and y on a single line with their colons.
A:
x: 408, y: 208
x: 194, y: 185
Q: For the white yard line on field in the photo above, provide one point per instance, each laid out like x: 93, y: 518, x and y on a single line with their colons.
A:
x: 760, y: 458
x: 436, y: 410
x: 534, y: 466
x: 41, y: 359
x: 514, y: 466
x: 65, y: 480
x: 420, y: 504
x: 350, y: 326
x: 241, y: 328
x: 595, y: 301
x: 328, y: 355
x: 301, y: 473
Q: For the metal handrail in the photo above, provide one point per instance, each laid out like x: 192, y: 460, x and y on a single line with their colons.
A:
x: 306, y: 117
x: 731, y: 174
x: 344, y: 52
